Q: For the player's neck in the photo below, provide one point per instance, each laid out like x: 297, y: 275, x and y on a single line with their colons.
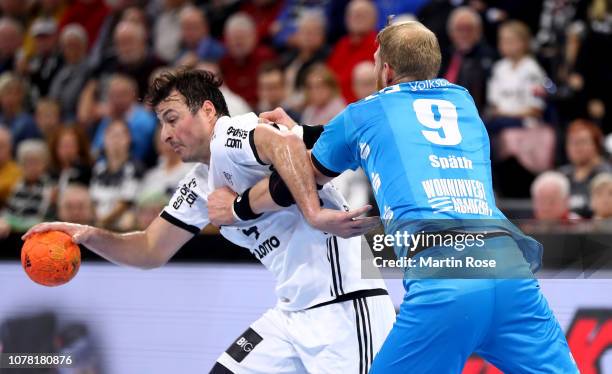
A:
x: 402, y: 79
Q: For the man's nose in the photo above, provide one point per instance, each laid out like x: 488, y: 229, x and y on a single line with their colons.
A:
x: 165, y: 134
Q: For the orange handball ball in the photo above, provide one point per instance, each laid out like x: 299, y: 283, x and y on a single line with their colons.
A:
x: 50, y: 258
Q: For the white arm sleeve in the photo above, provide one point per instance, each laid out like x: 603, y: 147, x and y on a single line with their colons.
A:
x: 188, y: 208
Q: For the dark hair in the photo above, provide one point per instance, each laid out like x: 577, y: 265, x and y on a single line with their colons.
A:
x: 196, y: 86
x: 595, y: 132
x: 82, y: 142
x: 270, y: 67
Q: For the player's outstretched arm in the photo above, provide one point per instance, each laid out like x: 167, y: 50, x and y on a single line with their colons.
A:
x: 146, y: 249
x: 343, y: 224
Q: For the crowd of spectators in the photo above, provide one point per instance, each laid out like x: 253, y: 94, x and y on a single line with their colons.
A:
x: 79, y: 143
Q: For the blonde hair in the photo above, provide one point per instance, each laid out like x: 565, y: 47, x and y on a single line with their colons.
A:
x: 521, y: 30
x: 327, y: 76
x: 599, y: 9
x: 411, y: 49
x: 9, y: 79
x: 600, y: 181
x: 33, y: 147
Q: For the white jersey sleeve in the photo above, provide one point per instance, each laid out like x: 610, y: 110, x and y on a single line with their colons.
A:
x: 188, y: 208
x: 310, y: 266
x: 234, y: 161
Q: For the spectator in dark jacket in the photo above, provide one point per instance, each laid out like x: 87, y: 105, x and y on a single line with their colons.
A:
x: 11, y: 37
x: 67, y: 84
x: 469, y: 60
x: 12, y: 112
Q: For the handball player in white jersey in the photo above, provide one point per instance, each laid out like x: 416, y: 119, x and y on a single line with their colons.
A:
x: 327, y: 319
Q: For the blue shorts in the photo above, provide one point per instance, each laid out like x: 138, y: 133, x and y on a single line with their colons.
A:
x: 443, y: 321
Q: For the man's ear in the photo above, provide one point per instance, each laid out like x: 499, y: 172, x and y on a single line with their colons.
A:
x: 208, y: 109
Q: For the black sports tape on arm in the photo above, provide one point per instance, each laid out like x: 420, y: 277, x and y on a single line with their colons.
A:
x: 311, y: 135
x: 279, y: 191
x: 242, y: 207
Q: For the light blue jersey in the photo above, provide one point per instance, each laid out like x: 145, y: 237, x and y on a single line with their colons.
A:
x: 426, y: 152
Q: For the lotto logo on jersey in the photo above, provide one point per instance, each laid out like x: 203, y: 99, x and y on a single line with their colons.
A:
x: 266, y: 247
x: 244, y: 345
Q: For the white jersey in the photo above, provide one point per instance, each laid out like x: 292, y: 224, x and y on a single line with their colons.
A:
x: 310, y: 267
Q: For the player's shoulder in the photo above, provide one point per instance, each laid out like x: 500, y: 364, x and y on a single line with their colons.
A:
x: 227, y: 125
x: 232, y: 132
x: 197, y: 175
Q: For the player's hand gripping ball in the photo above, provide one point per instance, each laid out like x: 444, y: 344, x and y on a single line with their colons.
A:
x: 50, y: 258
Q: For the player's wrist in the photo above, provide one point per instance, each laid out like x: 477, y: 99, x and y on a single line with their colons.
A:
x: 312, y: 215
x: 298, y: 130
x: 241, y: 208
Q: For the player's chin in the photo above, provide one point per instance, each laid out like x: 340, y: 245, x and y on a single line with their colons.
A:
x: 187, y: 158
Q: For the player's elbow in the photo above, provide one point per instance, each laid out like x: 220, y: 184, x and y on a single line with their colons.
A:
x: 292, y: 141
x: 151, y: 263
x: 279, y: 147
x: 152, y: 260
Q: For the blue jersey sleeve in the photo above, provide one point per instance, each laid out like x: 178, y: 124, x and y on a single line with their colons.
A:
x: 333, y: 153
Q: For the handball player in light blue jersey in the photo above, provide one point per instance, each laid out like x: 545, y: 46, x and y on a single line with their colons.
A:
x: 425, y: 150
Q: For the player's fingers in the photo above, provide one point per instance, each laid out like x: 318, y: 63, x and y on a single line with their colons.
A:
x: 41, y: 227
x: 278, y: 115
x: 353, y: 214
x: 269, y: 116
x: 364, y: 225
x: 78, y: 238
x: 367, y: 222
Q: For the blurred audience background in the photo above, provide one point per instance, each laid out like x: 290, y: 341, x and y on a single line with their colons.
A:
x: 78, y: 143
